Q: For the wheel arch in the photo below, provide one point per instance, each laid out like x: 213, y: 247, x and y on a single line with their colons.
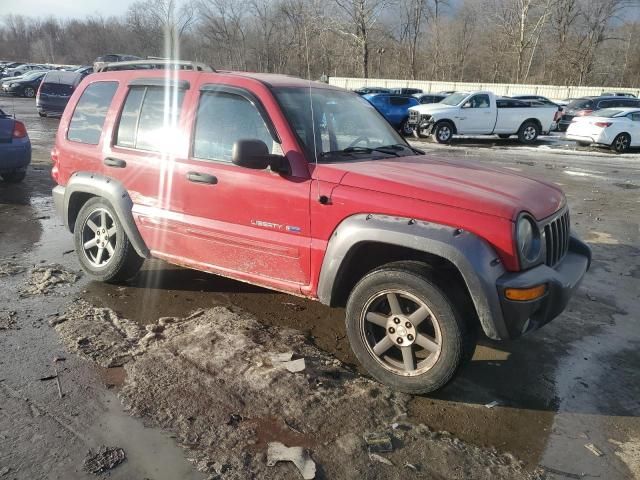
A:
x: 450, y: 122
x: 533, y: 120
x: 363, y: 242
x: 84, y: 186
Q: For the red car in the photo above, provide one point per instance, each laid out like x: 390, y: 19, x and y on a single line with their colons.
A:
x: 305, y: 188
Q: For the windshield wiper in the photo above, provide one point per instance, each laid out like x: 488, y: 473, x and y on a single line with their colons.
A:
x: 401, y: 146
x: 352, y: 150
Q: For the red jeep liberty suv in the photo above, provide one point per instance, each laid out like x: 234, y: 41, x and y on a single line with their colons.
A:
x: 304, y: 188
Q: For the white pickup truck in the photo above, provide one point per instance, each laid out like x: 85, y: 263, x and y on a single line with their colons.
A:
x: 480, y: 113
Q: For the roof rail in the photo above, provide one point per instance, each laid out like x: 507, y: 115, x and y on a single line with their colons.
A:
x: 154, y: 65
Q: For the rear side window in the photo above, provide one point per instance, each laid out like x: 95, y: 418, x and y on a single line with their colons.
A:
x: 398, y: 101
x: 149, y: 118
x: 61, y: 89
x: 222, y: 119
x: 635, y: 117
x: 88, y: 117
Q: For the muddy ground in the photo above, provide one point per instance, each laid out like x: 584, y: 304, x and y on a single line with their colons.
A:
x: 199, y: 396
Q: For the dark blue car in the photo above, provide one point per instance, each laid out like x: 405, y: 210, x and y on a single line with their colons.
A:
x: 15, y: 149
x: 55, y: 91
x: 395, y: 108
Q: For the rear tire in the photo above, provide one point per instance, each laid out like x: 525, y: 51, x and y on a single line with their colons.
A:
x: 29, y: 92
x: 443, y: 132
x: 503, y: 135
x: 583, y: 144
x: 15, y: 176
x: 528, y: 132
x: 432, y: 349
x: 621, y: 143
x: 102, y: 246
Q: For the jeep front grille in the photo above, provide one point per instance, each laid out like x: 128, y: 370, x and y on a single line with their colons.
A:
x: 413, y: 116
x: 556, y: 235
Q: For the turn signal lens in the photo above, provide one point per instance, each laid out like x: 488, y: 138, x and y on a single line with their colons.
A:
x: 602, y: 124
x: 524, y: 294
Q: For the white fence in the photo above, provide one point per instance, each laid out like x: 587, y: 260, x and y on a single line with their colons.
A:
x: 550, y: 91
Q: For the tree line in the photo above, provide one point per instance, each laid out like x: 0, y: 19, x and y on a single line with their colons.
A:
x: 560, y: 42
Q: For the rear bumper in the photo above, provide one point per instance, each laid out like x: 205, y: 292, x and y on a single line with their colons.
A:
x: 599, y: 138
x: 524, y: 316
x: 14, y: 156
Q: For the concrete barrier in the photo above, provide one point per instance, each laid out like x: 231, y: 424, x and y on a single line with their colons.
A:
x: 551, y: 91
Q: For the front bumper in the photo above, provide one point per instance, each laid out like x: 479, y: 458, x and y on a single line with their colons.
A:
x: 562, y: 280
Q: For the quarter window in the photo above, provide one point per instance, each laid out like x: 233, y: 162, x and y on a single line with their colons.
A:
x: 149, y: 118
x: 223, y: 119
x: 635, y: 117
x: 88, y: 117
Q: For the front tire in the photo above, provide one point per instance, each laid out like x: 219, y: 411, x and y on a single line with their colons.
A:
x: 443, y: 132
x: 102, y: 246
x: 528, y: 132
x: 14, y: 177
x: 406, y: 129
x: 583, y: 144
x: 621, y: 143
x: 405, y: 331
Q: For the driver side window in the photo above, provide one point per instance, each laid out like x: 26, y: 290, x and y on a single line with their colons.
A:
x: 479, y: 101
x: 222, y: 119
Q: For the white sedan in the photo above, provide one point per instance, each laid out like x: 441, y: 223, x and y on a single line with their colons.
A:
x: 618, y: 128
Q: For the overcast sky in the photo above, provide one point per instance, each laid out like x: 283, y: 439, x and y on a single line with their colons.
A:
x: 64, y: 8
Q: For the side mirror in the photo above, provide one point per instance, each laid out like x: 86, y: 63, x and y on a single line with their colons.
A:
x: 255, y: 154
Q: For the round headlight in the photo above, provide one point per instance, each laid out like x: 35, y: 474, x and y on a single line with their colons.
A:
x: 528, y: 239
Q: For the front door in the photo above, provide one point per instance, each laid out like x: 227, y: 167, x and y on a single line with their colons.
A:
x: 477, y: 116
x: 249, y: 224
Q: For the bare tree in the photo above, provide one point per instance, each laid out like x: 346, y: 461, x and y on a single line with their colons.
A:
x: 362, y: 16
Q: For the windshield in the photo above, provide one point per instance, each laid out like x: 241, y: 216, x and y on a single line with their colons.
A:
x: 609, y: 112
x: 582, y: 103
x: 345, y: 125
x: 32, y: 75
x: 455, y: 98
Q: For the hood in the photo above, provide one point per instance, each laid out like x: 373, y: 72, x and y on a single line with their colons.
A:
x: 433, y: 107
x: 457, y: 183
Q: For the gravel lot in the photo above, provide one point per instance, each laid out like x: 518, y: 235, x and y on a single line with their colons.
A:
x: 571, y: 384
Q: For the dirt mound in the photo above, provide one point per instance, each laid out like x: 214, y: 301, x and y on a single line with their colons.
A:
x: 213, y: 383
x: 100, y: 334
x: 46, y: 278
x: 224, y: 385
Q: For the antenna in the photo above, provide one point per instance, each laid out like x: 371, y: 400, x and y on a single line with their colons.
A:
x: 313, y: 118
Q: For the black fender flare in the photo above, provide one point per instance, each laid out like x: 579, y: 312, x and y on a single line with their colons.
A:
x: 474, y: 258
x: 111, y: 190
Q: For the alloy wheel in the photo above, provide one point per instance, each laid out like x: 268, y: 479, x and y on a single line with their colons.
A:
x: 401, y: 333
x: 99, y: 237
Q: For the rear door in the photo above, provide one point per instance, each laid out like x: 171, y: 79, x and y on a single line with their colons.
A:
x: 399, y: 109
x: 145, y: 146
x: 477, y: 116
x: 249, y: 224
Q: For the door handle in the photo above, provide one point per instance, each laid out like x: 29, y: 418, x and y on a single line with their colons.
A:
x: 198, y: 177
x: 115, y: 162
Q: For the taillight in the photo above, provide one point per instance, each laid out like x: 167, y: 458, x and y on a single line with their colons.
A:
x: 19, y: 130
x: 38, y: 93
x: 602, y: 124
x: 582, y: 113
